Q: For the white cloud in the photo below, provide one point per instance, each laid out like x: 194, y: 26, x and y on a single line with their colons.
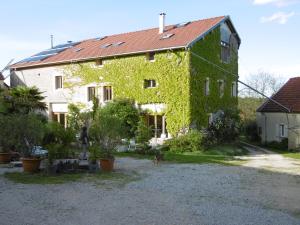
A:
x: 278, y: 3
x: 279, y: 17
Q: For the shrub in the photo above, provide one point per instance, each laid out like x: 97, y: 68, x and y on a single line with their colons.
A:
x: 143, y: 133
x: 280, y: 145
x: 189, y: 142
x: 127, y: 113
x: 76, y: 118
x: 224, y: 129
x: 106, y: 131
x: 59, y: 151
x: 26, y: 131
x: 56, y: 133
x: 250, y: 130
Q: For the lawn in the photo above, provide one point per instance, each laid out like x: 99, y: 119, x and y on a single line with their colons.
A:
x: 218, y: 154
x: 43, y: 178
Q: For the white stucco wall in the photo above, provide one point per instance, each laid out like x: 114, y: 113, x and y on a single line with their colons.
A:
x: 57, y: 99
x: 270, y: 131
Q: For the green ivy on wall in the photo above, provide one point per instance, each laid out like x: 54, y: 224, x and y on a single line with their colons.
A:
x: 126, y: 76
x: 210, y: 49
x: 179, y: 77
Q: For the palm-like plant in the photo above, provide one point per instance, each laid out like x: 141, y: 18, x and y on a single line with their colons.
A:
x: 25, y: 99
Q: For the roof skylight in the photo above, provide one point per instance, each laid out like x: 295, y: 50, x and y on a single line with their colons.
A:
x: 166, y: 36
x: 106, y: 45
x: 118, y: 43
x: 182, y: 24
x: 100, y: 38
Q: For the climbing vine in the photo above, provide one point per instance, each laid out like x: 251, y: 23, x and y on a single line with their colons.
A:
x: 179, y: 80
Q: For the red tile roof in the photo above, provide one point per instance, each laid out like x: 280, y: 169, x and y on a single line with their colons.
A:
x: 288, y: 96
x: 134, y: 42
x: 1, y: 76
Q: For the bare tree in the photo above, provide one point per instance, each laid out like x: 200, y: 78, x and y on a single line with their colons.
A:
x: 264, y: 82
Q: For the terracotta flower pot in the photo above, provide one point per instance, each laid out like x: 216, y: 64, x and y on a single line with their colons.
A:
x: 5, y: 158
x: 107, y: 165
x: 31, y: 165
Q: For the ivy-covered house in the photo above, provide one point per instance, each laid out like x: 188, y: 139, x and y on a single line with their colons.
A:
x: 172, y: 72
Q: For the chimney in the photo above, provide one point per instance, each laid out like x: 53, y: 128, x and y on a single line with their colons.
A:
x: 161, y: 23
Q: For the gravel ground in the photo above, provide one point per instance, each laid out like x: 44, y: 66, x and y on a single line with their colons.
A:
x: 166, y: 194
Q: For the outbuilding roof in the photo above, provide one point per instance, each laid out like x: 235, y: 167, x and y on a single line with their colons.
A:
x: 174, y: 37
x: 288, y: 96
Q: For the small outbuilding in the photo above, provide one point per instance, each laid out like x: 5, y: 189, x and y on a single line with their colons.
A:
x: 280, y: 119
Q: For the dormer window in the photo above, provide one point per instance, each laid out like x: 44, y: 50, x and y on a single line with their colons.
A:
x: 149, y: 83
x: 150, y: 56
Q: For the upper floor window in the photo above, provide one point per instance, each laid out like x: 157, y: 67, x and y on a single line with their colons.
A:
x: 206, y: 87
x: 221, y: 86
x: 150, y: 56
x: 58, y: 82
x: 91, y: 93
x: 229, y: 43
x: 233, y: 89
x: 99, y: 62
x: 107, y: 93
x: 149, y: 83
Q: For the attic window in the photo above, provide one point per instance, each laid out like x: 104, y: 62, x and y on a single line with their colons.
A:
x: 182, y: 24
x: 100, y: 38
x: 150, y: 56
x: 166, y: 36
x: 99, y: 62
x: 106, y: 45
x: 118, y: 43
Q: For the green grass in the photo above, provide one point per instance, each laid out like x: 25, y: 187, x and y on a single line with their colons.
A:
x: 218, y: 154
x: 42, y: 178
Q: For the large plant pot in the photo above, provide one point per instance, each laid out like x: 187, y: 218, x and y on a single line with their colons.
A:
x: 107, y: 165
x: 31, y: 165
x: 5, y: 158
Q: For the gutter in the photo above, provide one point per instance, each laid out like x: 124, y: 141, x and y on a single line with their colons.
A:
x: 96, y: 57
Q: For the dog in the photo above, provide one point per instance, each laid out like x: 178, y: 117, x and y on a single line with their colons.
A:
x: 158, y: 157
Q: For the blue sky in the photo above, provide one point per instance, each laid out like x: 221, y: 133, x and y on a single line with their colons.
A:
x: 269, y: 29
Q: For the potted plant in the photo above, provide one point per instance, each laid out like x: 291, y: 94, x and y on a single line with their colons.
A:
x: 94, y: 155
x: 5, y: 138
x: 27, y: 138
x: 106, y: 132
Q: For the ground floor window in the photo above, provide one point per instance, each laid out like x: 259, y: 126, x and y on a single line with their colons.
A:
x: 157, y: 124
x: 107, y: 93
x: 60, y: 118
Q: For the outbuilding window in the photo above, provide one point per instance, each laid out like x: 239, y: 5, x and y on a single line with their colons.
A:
x: 206, y: 87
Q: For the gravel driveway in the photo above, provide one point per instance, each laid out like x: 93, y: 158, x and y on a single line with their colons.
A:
x: 165, y: 194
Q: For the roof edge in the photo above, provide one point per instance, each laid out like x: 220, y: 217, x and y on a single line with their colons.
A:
x: 97, y: 57
x: 226, y: 18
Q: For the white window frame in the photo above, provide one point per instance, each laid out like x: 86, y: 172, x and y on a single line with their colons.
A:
x: 221, y: 88
x: 234, y: 89
x: 206, y: 87
x: 62, y: 82
x: 282, y: 130
x: 87, y: 90
x: 152, y: 81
